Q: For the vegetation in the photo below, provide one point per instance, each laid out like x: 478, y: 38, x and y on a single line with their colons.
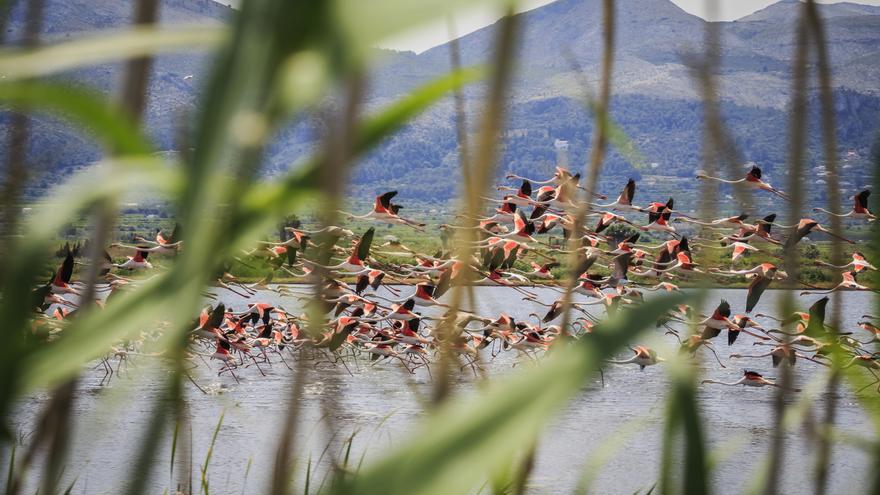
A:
x: 280, y: 61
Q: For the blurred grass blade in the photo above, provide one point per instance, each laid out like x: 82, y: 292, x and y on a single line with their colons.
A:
x: 107, y: 47
x: 87, y: 109
x: 271, y: 200
x: 210, y: 452
x: 11, y: 471
x: 379, y: 126
x: 106, y: 180
x: 123, y: 317
x: 464, y: 440
x: 696, y: 468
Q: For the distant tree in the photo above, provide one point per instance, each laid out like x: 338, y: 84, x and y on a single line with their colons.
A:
x: 811, y: 252
x: 620, y: 231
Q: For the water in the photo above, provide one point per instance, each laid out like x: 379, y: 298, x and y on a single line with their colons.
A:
x: 384, y: 404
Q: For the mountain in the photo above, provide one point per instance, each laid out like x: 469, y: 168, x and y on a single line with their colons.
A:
x: 656, y: 101
x: 56, y: 149
x: 786, y: 10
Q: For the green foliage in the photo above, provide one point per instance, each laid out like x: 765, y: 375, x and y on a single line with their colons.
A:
x: 281, y: 60
x: 463, y: 441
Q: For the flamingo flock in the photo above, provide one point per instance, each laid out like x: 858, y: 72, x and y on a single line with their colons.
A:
x: 387, y: 301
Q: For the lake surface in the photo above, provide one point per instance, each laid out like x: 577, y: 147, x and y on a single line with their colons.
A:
x: 110, y: 419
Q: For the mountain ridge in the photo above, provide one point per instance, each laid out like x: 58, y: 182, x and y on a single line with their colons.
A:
x: 656, y: 99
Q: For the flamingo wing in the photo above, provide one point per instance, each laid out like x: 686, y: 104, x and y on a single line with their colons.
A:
x: 385, y: 199
x: 861, y: 200
x: 65, y: 272
x: 816, y: 323
x: 628, y: 193
x: 363, y: 245
x: 362, y: 282
x: 585, y: 263
x: 341, y: 336
x: 620, y: 265
x: 756, y: 288
x: 409, y: 304
x: 215, y: 318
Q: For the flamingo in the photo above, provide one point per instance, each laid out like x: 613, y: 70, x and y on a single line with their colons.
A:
x: 61, y: 282
x: 749, y: 379
x: 848, y: 281
x: 752, y: 180
x: 162, y: 243
x: 859, y: 210
x: 727, y: 222
x: 807, y: 226
x: 858, y: 263
x: 354, y: 264
x: 624, y: 199
x: 763, y: 275
x: 385, y: 211
x: 136, y: 262
x: 759, y: 231
x: 719, y: 320
x: 643, y: 357
x: 779, y: 354
x: 658, y: 218
x: 560, y: 176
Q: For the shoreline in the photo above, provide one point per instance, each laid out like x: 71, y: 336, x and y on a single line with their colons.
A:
x: 551, y: 284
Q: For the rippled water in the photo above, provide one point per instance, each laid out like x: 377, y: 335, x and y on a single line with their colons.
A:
x: 383, y: 403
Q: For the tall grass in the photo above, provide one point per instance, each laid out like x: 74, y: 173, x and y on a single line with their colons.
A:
x: 278, y: 61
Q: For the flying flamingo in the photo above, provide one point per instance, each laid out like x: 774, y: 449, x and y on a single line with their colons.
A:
x: 658, y: 218
x: 385, y: 211
x: 693, y: 344
x: 752, y: 180
x: 162, y: 243
x: 858, y: 263
x: 542, y: 271
x: 868, y: 362
x: 522, y: 198
x: 859, y: 210
x: 643, y: 357
x: 354, y: 264
x: 727, y: 222
x: 560, y: 176
x: 759, y: 231
x: 848, y: 282
x: 60, y: 283
x: 805, y: 227
x: 763, y: 274
x: 624, y: 199
x: 779, y: 354
x: 749, y: 379
x: 136, y: 262
x: 741, y: 324
x: 719, y: 320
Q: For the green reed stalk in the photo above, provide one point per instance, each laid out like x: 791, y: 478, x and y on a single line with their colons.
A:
x: 205, y: 486
x: 484, y: 162
x: 829, y: 139
x: 795, y: 166
x: 597, y: 156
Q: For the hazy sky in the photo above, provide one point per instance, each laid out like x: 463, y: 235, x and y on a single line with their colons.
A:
x: 426, y: 37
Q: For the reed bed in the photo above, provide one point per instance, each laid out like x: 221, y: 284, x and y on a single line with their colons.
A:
x: 280, y: 60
